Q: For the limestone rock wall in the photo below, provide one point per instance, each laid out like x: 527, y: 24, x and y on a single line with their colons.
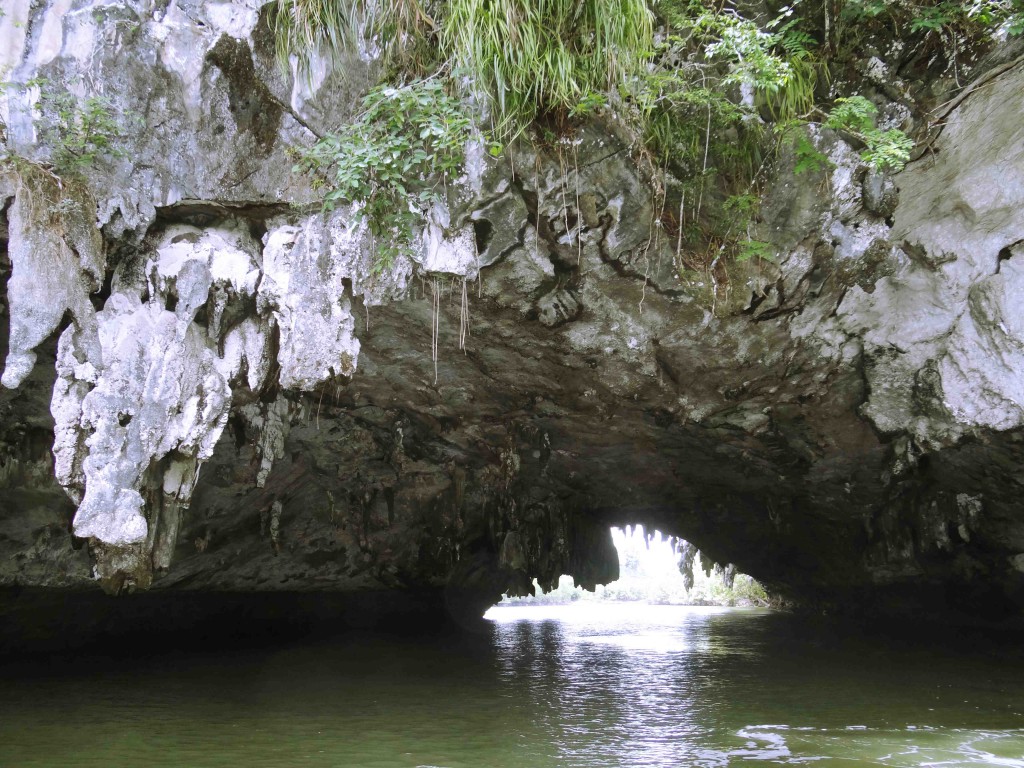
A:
x: 236, y: 399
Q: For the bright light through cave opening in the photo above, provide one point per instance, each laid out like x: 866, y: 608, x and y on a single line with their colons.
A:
x: 654, y: 569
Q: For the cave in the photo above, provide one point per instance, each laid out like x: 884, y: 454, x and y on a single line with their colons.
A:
x: 218, y: 393
x: 653, y: 569
x: 314, y: 347
x: 513, y: 465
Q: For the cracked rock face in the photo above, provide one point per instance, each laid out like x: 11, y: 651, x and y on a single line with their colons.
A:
x: 945, y: 330
x: 236, y: 400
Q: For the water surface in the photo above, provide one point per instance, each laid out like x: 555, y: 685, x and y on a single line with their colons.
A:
x: 583, y: 686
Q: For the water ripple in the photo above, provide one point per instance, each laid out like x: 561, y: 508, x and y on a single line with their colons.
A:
x: 619, y: 687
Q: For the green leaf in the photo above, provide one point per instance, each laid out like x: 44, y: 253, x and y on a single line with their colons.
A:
x: 750, y: 249
x: 409, y: 135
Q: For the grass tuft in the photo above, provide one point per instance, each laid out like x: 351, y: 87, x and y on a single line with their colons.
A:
x: 537, y: 57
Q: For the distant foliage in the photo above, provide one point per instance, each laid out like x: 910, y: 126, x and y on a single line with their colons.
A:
x: 391, y: 162
x: 707, y: 589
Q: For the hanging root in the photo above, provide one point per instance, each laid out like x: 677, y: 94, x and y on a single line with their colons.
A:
x: 565, y: 183
x: 435, y: 322
x: 579, y: 214
x: 679, y: 235
x: 536, y: 184
x: 464, y: 318
x: 318, y: 405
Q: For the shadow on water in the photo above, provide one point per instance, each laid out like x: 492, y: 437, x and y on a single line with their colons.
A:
x: 45, y: 623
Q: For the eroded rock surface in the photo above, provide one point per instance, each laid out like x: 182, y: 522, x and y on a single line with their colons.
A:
x: 241, y: 402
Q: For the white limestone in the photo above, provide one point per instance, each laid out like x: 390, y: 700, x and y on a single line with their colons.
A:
x: 945, y: 336
x: 303, y: 290
x: 53, y: 271
x: 154, y: 394
x: 157, y: 391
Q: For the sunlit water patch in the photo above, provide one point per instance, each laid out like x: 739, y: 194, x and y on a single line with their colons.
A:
x: 577, y: 687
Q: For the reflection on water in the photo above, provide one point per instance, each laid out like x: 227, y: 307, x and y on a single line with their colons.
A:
x: 644, y: 686
x: 587, y: 685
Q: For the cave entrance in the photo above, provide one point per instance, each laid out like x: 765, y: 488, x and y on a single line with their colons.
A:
x: 654, y: 569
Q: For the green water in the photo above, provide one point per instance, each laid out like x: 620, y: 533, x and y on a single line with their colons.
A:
x: 594, y: 686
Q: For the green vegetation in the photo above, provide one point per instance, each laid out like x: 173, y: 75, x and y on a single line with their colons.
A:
x: 963, y: 17
x: 711, y: 99
x: 705, y: 109
x: 388, y: 161
x: 952, y: 24
x: 542, y: 59
x: 527, y: 58
x: 808, y: 158
x: 77, y: 132
x: 886, y: 150
x: 403, y: 28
